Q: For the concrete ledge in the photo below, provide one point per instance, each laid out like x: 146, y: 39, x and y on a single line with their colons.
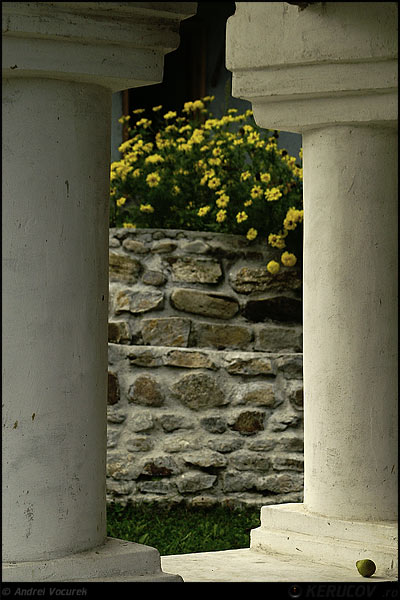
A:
x: 115, y: 560
x: 291, y: 530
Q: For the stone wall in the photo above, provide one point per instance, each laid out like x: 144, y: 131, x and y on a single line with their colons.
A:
x: 205, y: 371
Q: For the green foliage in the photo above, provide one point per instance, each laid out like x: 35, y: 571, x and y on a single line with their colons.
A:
x: 181, y: 529
x: 200, y: 173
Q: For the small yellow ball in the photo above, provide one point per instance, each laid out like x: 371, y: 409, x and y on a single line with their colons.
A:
x: 366, y: 567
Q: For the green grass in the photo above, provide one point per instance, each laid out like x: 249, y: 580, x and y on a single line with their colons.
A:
x: 181, y: 529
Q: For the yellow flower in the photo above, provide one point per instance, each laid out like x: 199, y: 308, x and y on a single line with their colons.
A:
x: 176, y: 190
x: 248, y: 203
x: 214, y: 183
x: 221, y: 216
x: 154, y: 158
x: 124, y: 119
x: 136, y: 173
x: 232, y: 110
x: 121, y: 201
x: 265, y: 177
x: 203, y: 211
x: 153, y: 179
x: 129, y: 225
x: 245, y: 175
x: 208, y: 98
x: 241, y: 216
x: 251, y: 234
x: 277, y: 241
x: 273, y: 267
x: 273, y: 194
x: 256, y: 192
x: 146, y: 208
x: 222, y: 201
x: 156, y: 108
x: 214, y: 161
x: 293, y: 216
x: 192, y: 106
x: 144, y: 123
x: 238, y: 142
x: 301, y: 153
x: 138, y: 111
x: 169, y: 115
x: 288, y: 259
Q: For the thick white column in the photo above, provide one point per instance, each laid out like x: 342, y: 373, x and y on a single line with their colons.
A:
x: 330, y: 72
x: 350, y: 308
x: 61, y: 62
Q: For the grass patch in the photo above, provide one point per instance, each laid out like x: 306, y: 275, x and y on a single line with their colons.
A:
x: 182, y: 529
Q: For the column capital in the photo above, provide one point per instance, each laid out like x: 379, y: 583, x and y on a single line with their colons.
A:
x: 330, y: 63
x: 117, y: 45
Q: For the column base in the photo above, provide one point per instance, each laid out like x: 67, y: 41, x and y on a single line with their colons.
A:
x: 115, y: 560
x: 290, y: 529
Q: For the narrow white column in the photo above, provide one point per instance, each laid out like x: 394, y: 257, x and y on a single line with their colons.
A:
x: 350, y: 312
x: 55, y: 291
x: 61, y: 63
x: 329, y: 71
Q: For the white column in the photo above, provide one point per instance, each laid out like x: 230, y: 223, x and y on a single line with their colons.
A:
x: 61, y: 62
x: 350, y: 308
x: 330, y: 72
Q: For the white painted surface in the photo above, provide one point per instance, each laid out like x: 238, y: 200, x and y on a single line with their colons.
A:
x: 330, y: 72
x: 55, y: 291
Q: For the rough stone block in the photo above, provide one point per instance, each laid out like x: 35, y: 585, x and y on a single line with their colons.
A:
x: 190, y: 359
x: 275, y: 338
x: 199, y: 391
x: 260, y: 395
x: 171, y: 331
x: 123, y: 268
x: 155, y: 278
x: 204, y: 303
x: 250, y: 366
x: 249, y: 422
x: 291, y: 366
x: 205, y: 458
x: 119, y: 332
x: 192, y: 270
x: 249, y: 280
x: 195, y: 481
x: 147, y: 391
x: 135, y: 246
x: 250, y: 461
x: 138, y: 302
x: 222, y: 336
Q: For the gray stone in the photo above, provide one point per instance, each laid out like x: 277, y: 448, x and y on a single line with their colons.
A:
x: 278, y: 484
x: 291, y: 366
x: 123, y: 268
x: 199, y: 391
x: 204, y: 303
x: 155, y: 278
x: 138, y: 302
x: 249, y: 422
x: 114, y: 243
x: 119, y: 332
x: 114, y: 415
x: 249, y: 367
x: 163, y: 246
x: 135, y: 246
x: 160, y: 487
x: 283, y: 463
x: 195, y: 481
x: 214, y: 424
x: 179, y: 444
x: 296, y: 396
x: 173, y: 422
x: 257, y: 279
x: 145, y: 358
x: 112, y: 437
x: 190, y: 359
x: 141, y: 422
x: 232, y: 481
x: 139, y: 444
x: 260, y: 395
x: 250, y: 461
x: 290, y: 444
x: 169, y: 331
x: 283, y: 421
x: 275, y: 338
x: 225, y: 445
x: 147, y: 391
x: 160, y: 466
x: 205, y: 458
x: 191, y: 270
x: 195, y: 247
x: 213, y: 335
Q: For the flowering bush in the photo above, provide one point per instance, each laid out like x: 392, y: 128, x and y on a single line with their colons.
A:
x: 193, y: 171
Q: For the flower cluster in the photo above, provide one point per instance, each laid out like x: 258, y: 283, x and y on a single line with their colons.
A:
x: 193, y: 171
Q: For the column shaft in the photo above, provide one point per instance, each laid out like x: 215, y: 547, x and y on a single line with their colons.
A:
x: 350, y: 322
x: 56, y: 144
